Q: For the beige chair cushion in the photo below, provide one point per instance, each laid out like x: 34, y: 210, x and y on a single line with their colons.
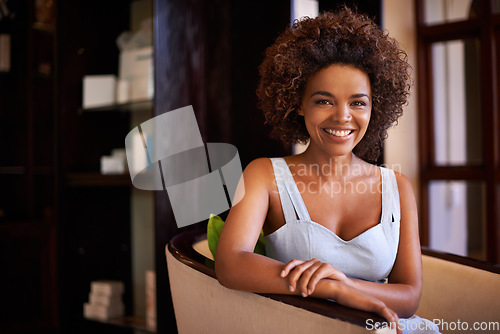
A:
x: 202, y: 305
x: 453, y: 292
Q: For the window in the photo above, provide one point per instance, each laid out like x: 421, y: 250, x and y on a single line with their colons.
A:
x: 459, y: 126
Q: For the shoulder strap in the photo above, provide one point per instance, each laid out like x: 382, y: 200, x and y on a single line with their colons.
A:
x: 291, y: 200
x: 390, y: 196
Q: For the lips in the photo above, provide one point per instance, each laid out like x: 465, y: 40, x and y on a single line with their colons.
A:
x: 338, y: 133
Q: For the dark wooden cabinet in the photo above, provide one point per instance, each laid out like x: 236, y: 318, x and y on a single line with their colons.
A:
x: 28, y: 172
x: 95, y: 218
x: 62, y: 223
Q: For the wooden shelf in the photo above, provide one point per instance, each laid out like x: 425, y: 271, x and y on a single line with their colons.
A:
x: 96, y: 179
x: 145, y: 105
x: 136, y: 323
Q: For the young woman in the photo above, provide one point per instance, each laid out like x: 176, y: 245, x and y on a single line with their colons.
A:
x: 335, y: 226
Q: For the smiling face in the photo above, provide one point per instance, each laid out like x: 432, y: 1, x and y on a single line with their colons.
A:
x: 336, y: 106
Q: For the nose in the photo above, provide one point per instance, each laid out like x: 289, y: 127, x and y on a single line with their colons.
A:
x: 342, y: 114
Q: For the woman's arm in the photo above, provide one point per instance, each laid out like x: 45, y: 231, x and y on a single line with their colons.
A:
x: 238, y: 267
x: 402, y: 294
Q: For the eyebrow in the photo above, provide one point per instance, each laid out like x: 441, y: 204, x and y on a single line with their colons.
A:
x: 354, y: 96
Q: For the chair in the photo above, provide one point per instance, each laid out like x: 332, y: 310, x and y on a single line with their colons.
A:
x: 203, y: 305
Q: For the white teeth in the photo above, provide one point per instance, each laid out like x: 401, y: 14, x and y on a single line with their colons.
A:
x: 338, y: 133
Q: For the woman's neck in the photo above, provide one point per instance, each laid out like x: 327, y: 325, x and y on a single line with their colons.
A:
x: 333, y: 167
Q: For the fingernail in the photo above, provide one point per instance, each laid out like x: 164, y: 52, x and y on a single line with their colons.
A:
x: 304, y: 294
x: 291, y: 287
x: 282, y: 273
x: 309, y: 291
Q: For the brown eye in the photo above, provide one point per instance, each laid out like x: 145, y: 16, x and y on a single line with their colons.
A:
x: 358, y: 103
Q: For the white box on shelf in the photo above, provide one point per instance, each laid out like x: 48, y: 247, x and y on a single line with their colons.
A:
x: 119, y: 153
x: 116, y: 163
x: 104, y: 300
x: 107, y: 287
x: 122, y: 91
x: 112, y: 165
x: 99, y: 90
x: 136, y: 68
x: 101, y: 312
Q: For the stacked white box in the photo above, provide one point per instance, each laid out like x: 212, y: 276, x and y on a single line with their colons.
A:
x: 151, y: 300
x: 116, y: 163
x: 99, y: 90
x: 105, y: 300
x: 136, y: 75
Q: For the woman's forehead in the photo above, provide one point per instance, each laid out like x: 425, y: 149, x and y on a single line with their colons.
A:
x: 339, y: 78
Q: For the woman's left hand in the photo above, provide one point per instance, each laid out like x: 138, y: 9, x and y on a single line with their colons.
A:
x: 304, y: 275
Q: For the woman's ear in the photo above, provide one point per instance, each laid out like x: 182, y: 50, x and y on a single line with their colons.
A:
x: 300, y: 112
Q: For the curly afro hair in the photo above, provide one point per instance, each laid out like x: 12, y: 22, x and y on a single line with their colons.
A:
x: 341, y: 37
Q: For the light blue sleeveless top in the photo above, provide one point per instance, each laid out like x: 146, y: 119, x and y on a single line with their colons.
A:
x: 369, y: 256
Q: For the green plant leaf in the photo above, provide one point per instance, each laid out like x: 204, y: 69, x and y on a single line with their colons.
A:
x: 260, y: 247
x: 214, y: 228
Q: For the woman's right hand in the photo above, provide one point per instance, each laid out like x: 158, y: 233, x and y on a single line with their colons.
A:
x: 304, y: 275
x: 351, y: 297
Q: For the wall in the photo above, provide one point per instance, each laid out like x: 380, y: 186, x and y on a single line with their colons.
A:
x: 401, y: 148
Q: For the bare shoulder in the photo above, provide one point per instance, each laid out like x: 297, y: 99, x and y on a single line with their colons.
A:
x: 404, y: 185
x: 259, y: 164
x: 259, y: 172
x: 407, y: 197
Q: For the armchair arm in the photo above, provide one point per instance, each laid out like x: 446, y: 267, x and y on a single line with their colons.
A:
x: 201, y: 303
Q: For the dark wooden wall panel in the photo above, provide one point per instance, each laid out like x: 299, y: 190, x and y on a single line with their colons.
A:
x: 206, y: 55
